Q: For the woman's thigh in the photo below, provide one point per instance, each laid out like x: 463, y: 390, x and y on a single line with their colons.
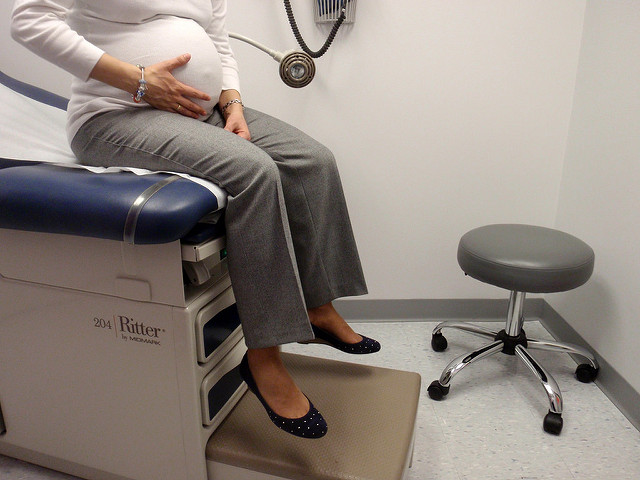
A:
x: 284, y: 143
x: 163, y: 141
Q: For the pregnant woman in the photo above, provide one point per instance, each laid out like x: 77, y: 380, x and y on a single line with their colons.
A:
x: 156, y: 86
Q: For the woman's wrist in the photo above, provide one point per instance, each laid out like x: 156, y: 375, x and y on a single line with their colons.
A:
x: 230, y: 102
x: 232, y: 106
x: 142, y: 86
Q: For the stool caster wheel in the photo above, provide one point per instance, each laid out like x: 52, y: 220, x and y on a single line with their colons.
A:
x: 438, y: 342
x: 437, y: 391
x: 552, y: 423
x: 586, y: 373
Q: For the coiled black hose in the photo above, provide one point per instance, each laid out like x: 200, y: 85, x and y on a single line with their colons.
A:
x: 332, y: 33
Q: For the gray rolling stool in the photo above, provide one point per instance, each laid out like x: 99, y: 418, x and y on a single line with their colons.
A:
x: 523, y: 259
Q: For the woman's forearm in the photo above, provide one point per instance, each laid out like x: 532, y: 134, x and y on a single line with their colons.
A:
x: 116, y: 73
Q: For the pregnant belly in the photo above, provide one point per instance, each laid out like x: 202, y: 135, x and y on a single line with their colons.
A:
x: 164, y: 38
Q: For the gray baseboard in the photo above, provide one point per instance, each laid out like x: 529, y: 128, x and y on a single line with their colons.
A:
x: 614, y: 385
x: 610, y: 381
x: 424, y: 310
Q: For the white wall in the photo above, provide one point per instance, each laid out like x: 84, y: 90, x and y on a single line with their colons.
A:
x: 600, y: 194
x: 444, y: 115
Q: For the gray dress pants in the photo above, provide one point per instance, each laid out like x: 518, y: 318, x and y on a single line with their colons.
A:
x: 289, y: 239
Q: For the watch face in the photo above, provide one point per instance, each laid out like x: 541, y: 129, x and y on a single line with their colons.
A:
x: 297, y: 71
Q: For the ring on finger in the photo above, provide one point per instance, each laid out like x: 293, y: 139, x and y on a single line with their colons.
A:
x: 178, y: 108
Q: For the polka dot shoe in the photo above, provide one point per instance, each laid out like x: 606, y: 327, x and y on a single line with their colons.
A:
x: 366, y: 345
x: 311, y: 425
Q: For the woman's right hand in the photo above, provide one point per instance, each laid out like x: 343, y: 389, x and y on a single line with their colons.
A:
x: 164, y: 92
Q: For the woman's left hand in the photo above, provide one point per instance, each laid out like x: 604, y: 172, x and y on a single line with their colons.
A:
x: 237, y: 124
x: 230, y: 104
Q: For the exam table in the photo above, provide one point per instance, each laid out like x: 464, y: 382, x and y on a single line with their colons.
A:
x: 120, y: 339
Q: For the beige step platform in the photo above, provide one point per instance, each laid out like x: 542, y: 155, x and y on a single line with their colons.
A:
x: 371, y: 413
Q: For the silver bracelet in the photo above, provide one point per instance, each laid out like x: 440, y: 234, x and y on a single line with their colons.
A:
x: 231, y: 102
x: 142, y: 86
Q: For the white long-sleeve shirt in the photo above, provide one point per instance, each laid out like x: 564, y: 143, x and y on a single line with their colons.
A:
x: 74, y: 34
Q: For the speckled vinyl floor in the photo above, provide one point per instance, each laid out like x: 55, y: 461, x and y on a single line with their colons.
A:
x: 489, y: 427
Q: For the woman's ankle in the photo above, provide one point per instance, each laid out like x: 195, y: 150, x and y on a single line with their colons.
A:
x: 327, y: 318
x: 262, y: 356
x: 275, y: 383
x: 324, y: 316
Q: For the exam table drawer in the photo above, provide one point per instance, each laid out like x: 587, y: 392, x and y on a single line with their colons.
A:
x: 222, y: 387
x: 213, y: 246
x: 217, y: 328
x: 203, y: 257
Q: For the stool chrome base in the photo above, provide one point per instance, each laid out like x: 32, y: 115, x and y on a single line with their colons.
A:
x: 512, y: 341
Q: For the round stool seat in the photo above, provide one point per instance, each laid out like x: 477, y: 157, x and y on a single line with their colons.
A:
x: 525, y: 258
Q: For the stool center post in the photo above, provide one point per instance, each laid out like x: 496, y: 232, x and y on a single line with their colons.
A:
x: 515, y: 318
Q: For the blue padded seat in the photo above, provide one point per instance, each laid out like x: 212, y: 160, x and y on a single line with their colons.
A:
x: 525, y: 258
x: 55, y: 199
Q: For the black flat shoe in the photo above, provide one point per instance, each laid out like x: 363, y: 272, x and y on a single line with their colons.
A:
x: 311, y: 425
x: 364, y: 346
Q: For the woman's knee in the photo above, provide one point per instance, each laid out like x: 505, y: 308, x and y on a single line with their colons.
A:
x: 324, y: 159
x: 262, y: 170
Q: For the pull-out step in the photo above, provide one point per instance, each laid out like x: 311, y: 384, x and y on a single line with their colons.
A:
x: 371, y: 413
